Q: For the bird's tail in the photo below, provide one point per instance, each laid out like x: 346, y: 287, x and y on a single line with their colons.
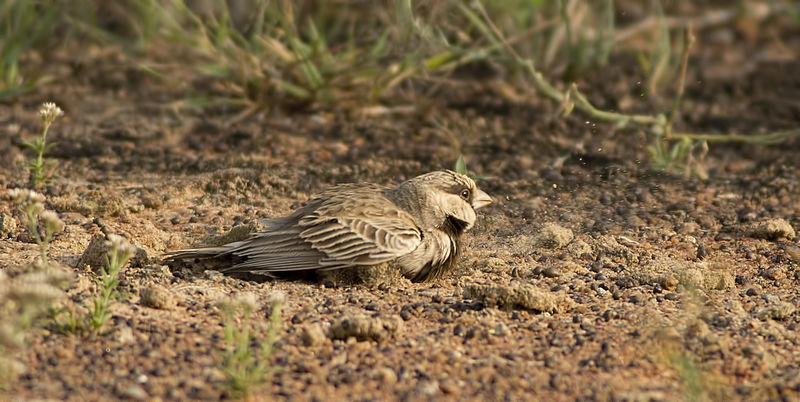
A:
x: 200, y: 253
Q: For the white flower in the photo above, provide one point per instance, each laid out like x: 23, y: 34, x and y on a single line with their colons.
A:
x: 231, y: 306
x: 246, y: 301
x: 24, y: 196
x: 52, y: 222
x: 276, y: 299
x: 119, y: 243
x: 50, y: 111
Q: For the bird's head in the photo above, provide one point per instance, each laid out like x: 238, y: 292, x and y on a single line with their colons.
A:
x: 448, y: 198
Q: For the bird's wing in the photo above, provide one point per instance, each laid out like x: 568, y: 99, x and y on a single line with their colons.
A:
x: 360, y: 240
x: 341, y: 229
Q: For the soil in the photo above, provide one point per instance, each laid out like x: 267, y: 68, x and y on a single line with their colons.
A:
x: 591, y: 277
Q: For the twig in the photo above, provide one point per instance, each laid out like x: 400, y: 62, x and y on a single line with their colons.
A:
x: 655, y: 123
x: 768, y: 138
x: 547, y: 89
x: 710, y: 19
x: 688, y: 41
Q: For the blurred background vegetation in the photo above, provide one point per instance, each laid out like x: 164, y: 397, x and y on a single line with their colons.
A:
x: 248, y: 55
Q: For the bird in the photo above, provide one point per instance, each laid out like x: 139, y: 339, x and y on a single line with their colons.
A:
x: 415, y: 227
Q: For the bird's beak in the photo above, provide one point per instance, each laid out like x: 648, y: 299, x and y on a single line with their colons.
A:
x: 481, y: 199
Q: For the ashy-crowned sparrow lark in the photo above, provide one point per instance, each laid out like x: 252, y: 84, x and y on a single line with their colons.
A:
x: 416, y: 226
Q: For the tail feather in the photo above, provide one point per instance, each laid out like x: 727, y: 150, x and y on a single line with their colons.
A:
x: 199, y: 253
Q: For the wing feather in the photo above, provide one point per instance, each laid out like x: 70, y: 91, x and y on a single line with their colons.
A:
x: 351, y: 225
x: 334, y: 231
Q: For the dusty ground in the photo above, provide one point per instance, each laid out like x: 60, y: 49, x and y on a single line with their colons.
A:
x: 591, y: 277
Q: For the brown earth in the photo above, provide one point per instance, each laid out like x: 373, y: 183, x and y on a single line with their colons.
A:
x: 591, y: 277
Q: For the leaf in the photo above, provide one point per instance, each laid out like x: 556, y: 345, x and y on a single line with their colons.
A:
x: 660, y: 56
x: 460, y: 166
x: 215, y: 70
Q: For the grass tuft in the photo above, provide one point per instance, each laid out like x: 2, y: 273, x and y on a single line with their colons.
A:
x: 120, y: 251
x: 244, y: 364
x: 42, y: 224
x: 40, y: 169
x: 26, y: 297
x: 24, y: 25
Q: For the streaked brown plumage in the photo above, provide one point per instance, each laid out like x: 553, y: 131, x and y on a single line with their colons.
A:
x: 416, y: 226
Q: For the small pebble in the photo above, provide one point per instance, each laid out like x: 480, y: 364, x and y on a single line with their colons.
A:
x: 158, y: 298
x: 312, y: 335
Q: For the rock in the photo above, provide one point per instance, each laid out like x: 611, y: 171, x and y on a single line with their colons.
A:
x: 158, y: 298
x: 669, y: 282
x: 375, y: 276
x: 793, y: 252
x: 551, y: 272
x: 771, y: 229
x: 669, y: 272
x: 135, y: 392
x: 553, y: 236
x: 237, y: 233
x: 609, y: 245
x: 312, y: 335
x: 125, y: 335
x: 377, y: 328
x: 384, y: 375
x: 775, y: 273
x: 580, y: 249
x: 97, y: 251
x: 450, y: 386
x: 428, y: 389
x: 8, y: 224
x: 778, y: 311
x: 151, y: 201
x: 523, y: 296
x: 718, y: 280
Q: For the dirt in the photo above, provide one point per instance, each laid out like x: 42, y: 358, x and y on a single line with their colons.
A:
x: 591, y: 276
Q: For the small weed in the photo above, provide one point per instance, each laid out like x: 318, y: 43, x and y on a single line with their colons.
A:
x: 243, y: 366
x: 74, y: 323
x: 42, y: 224
x: 675, y: 345
x: 690, y: 374
x: 120, y: 251
x: 27, y: 296
x: 23, y: 300
x: 657, y: 64
x: 685, y: 156
x: 41, y: 169
x: 24, y: 25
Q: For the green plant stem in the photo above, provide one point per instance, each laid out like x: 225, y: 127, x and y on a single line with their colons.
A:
x: 40, y: 151
x: 545, y: 88
x: 688, y: 41
x: 42, y: 242
x: 775, y: 137
x: 39, y: 145
x: 109, y: 279
x: 272, y: 332
x: 621, y: 119
x: 658, y: 124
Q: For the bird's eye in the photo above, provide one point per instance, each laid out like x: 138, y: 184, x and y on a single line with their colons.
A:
x: 465, y: 194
